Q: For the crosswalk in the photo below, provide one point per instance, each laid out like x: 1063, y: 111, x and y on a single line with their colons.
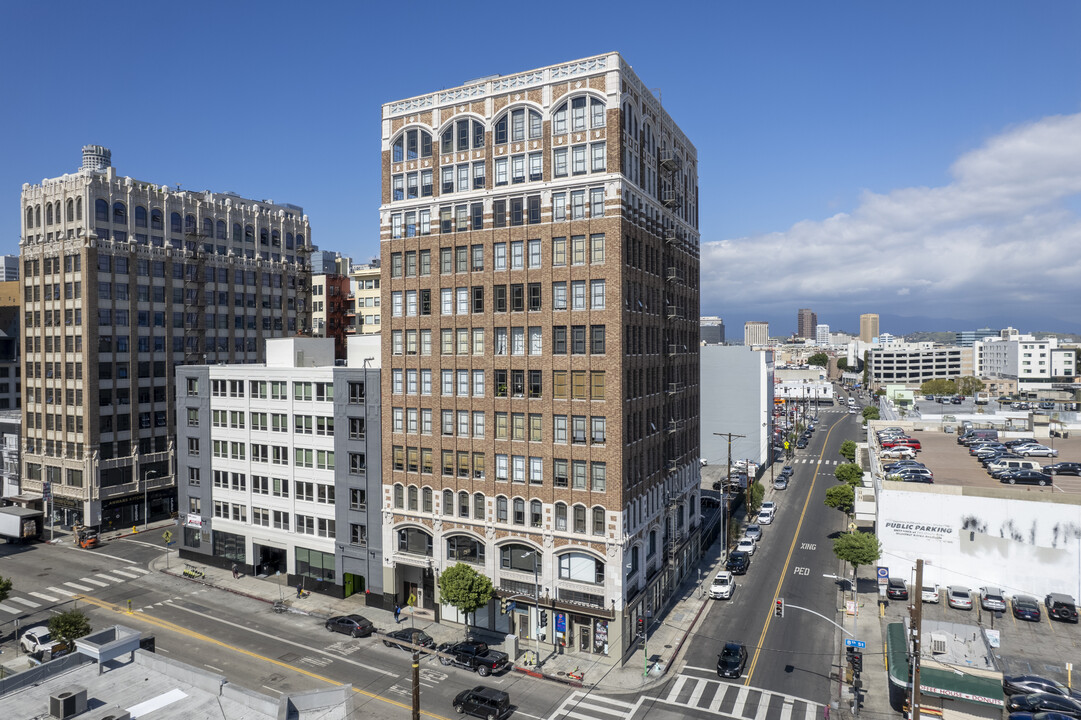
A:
x: 737, y: 701
x: 18, y: 605
x: 715, y: 696
x: 812, y: 460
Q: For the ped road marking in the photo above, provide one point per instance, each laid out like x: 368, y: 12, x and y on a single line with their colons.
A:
x: 788, y: 559
x: 166, y: 625
x: 43, y: 596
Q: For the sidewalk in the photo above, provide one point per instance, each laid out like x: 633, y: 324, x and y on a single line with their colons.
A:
x: 875, y: 693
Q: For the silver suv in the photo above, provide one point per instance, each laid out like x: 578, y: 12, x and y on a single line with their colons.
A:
x: 991, y: 598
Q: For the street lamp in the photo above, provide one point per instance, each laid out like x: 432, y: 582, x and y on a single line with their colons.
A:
x: 146, y: 488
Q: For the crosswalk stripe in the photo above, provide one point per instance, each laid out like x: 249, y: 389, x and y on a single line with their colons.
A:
x: 741, y: 701
x: 128, y: 575
x: 680, y: 682
x: 786, y: 711
x: 696, y: 695
x: 83, y: 588
x: 141, y: 571
x: 719, y: 698
x: 94, y: 582
x: 43, y: 596
x: 110, y: 578
x: 9, y: 609
x: 27, y: 603
x: 61, y: 591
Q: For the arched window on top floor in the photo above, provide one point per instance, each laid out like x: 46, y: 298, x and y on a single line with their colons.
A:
x: 48, y: 213
x: 264, y: 237
x: 37, y: 215
x: 276, y: 239
x: 101, y: 210
x: 29, y: 217
x: 249, y: 234
x: 221, y: 231
x: 156, y: 220
x: 460, y: 134
x: 71, y: 210
x: 140, y: 216
x: 78, y: 209
x: 288, y: 241
x: 208, y: 227
x: 190, y: 225
x: 517, y: 125
x: 578, y: 113
x: 120, y: 213
x: 238, y: 233
x: 412, y: 144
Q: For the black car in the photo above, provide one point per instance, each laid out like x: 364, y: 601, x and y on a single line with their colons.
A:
x: 1063, y: 468
x: 801, y: 443
x: 408, y: 635
x: 483, y: 702
x: 1044, y: 702
x: 352, y: 625
x: 738, y: 562
x: 1029, y: 684
x: 895, y: 466
x: 1026, y: 477
x: 1025, y: 607
x: 1061, y: 607
x: 896, y: 589
x: 731, y: 661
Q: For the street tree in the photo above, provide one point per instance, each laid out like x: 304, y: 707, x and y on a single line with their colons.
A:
x: 842, y: 363
x: 938, y: 387
x: 5, y: 588
x: 857, y: 549
x: 69, y: 626
x: 848, y: 450
x: 465, y: 588
x: 820, y: 359
x: 841, y: 497
x: 870, y: 413
x: 850, y: 474
x: 757, y: 493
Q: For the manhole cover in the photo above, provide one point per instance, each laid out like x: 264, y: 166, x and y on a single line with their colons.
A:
x: 666, y: 647
x: 289, y: 657
x: 561, y: 673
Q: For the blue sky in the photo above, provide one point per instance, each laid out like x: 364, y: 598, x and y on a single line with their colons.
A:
x: 921, y: 160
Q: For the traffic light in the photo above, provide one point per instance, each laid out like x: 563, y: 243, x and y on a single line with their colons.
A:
x: 641, y: 625
x: 544, y: 618
x: 848, y: 654
x: 857, y: 661
x: 503, y: 605
x: 778, y: 608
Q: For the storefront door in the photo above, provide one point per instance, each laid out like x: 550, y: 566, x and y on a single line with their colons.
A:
x: 584, y: 639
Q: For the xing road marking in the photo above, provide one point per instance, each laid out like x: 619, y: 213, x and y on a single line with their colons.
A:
x: 788, y: 559
x: 166, y: 625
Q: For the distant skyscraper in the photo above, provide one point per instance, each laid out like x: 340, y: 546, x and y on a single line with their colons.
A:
x: 711, y: 330
x: 968, y: 338
x: 822, y: 334
x: 868, y: 327
x: 10, y: 268
x: 755, y: 332
x: 805, y: 323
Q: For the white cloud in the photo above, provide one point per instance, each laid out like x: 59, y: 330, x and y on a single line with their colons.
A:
x: 1000, y: 239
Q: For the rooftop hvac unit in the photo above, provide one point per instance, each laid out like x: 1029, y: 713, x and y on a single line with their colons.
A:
x: 68, y: 702
x: 938, y: 644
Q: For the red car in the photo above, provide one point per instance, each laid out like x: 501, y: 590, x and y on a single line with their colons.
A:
x: 903, y: 442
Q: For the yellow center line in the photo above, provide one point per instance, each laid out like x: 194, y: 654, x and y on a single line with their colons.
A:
x: 788, y: 559
x: 166, y: 625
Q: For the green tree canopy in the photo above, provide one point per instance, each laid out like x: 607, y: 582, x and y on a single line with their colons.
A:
x: 850, y: 474
x: 69, y: 626
x: 870, y: 413
x: 848, y: 450
x: 757, y: 493
x: 5, y: 588
x: 842, y: 363
x: 938, y: 387
x: 857, y: 549
x: 841, y: 497
x: 464, y: 588
x: 969, y: 385
x: 820, y: 359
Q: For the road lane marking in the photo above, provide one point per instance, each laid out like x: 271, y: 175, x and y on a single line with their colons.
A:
x: 166, y: 625
x: 9, y: 609
x: 61, y: 591
x: 27, y: 603
x: 126, y: 573
x: 43, y: 596
x: 98, y: 553
x: 110, y: 578
x: 141, y: 571
x: 82, y: 588
x: 788, y: 559
x: 96, y: 583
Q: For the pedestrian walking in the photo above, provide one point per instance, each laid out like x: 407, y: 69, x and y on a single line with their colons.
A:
x: 397, y: 613
x: 300, y: 590
x: 236, y: 572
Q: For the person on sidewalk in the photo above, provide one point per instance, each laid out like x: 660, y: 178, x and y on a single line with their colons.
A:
x: 397, y: 613
x: 300, y: 590
x: 236, y: 572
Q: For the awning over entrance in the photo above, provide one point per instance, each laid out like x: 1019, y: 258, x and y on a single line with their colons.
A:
x: 938, y: 683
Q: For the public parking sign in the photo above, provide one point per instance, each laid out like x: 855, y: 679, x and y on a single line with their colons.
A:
x: 849, y: 642
x: 883, y: 575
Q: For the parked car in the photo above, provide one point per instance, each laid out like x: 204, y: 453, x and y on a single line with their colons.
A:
x: 894, y: 466
x: 991, y: 598
x: 35, y: 640
x: 1026, y: 477
x: 731, y: 661
x: 484, y: 702
x: 900, y: 452
x: 787, y: 471
x: 401, y: 638
x: 1037, y: 451
x: 352, y: 625
x: 471, y: 655
x: 1043, y: 702
x: 1029, y: 684
x: 1063, y: 468
x: 768, y: 506
x: 929, y: 594
x: 746, y: 545
x: 738, y: 562
x: 722, y: 586
x: 1061, y: 607
x: 1025, y: 607
x: 1004, y: 467
x: 897, y: 589
x: 754, y: 532
x: 903, y: 442
x: 781, y: 483
x: 959, y: 597
x: 801, y: 443
x: 764, y: 517
x: 911, y: 473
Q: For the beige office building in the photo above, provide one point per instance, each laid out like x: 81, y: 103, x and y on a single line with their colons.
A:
x: 755, y: 332
x: 868, y: 327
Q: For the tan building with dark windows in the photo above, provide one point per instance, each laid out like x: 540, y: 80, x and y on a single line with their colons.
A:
x: 540, y: 256
x: 122, y: 281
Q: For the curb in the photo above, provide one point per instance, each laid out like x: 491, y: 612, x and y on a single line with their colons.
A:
x: 553, y: 678
x: 238, y: 592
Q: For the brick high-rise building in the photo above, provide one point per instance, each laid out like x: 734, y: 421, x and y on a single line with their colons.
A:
x: 122, y: 281
x: 807, y: 322
x: 540, y: 256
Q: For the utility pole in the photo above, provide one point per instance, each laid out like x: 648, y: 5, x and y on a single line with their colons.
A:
x: 416, y: 683
x: 728, y: 484
x: 916, y: 629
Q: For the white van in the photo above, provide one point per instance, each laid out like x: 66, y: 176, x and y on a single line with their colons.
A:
x: 1013, y: 464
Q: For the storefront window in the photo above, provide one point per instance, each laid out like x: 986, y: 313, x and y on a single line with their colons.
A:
x: 315, y: 565
x: 230, y: 546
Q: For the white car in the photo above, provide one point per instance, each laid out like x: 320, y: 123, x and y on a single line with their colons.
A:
x: 959, y: 596
x: 747, y: 545
x: 36, y: 640
x: 929, y: 593
x: 898, y: 453
x: 754, y: 532
x: 722, y: 586
x: 1037, y: 451
x: 765, y: 517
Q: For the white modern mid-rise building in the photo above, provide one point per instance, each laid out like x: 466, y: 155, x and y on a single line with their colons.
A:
x: 897, y: 363
x: 822, y: 334
x: 273, y: 465
x: 1031, y: 362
